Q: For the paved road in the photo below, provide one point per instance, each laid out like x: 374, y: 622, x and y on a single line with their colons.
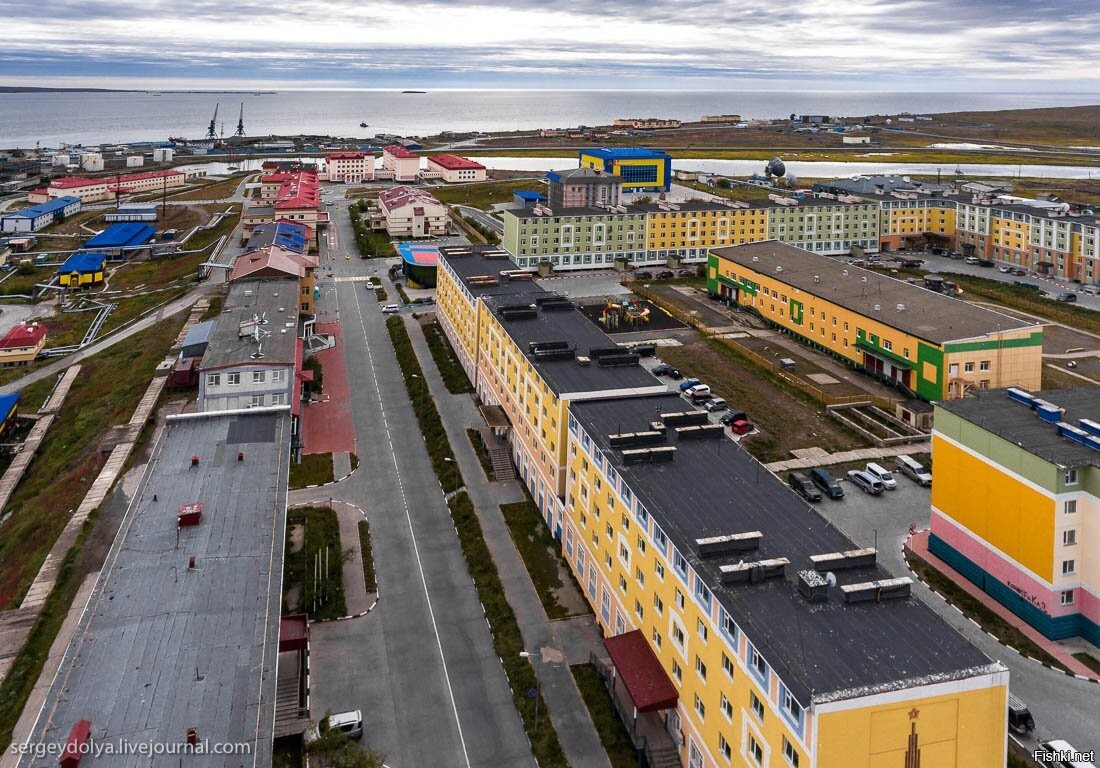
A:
x: 421, y: 666
x: 1051, y: 286
x: 482, y: 218
x: 1064, y: 707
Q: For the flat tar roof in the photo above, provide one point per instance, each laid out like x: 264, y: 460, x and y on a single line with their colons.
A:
x: 823, y: 649
x: 162, y: 647
x: 927, y: 315
x: 994, y: 411
x: 478, y: 266
x: 272, y: 299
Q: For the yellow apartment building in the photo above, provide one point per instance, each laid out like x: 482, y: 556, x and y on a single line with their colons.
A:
x: 932, y: 345
x: 688, y: 230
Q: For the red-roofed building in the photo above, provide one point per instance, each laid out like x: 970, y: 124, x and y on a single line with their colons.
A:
x: 411, y: 212
x: 21, y: 344
x: 292, y: 196
x: 108, y: 187
x: 403, y: 164
x: 273, y: 261
x: 453, y: 168
x: 350, y: 167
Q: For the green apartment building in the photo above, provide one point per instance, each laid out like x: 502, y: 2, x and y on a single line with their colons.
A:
x: 828, y: 227
x: 574, y: 238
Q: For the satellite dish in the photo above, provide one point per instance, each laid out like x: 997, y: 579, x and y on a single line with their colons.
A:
x: 830, y: 579
x: 775, y: 167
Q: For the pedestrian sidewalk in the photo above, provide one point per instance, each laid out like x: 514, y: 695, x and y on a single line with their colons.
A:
x: 918, y: 544
x: 568, y: 712
x: 843, y: 457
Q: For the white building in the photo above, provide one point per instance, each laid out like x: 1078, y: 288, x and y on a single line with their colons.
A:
x: 91, y: 161
x: 135, y: 161
x: 350, y: 167
x: 453, y: 168
x: 409, y: 212
x: 403, y: 164
x: 39, y: 216
x: 163, y: 155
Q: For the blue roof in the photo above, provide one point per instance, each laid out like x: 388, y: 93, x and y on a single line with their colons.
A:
x: 292, y: 237
x: 524, y: 194
x: 83, y: 261
x: 7, y: 405
x: 627, y: 153
x: 121, y: 235
x: 50, y: 206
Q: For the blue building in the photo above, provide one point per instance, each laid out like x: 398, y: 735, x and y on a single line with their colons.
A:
x: 641, y: 169
x: 40, y: 216
x: 283, y: 234
x: 117, y: 239
x: 526, y: 198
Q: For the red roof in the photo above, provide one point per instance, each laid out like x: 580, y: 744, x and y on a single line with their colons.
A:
x: 23, y: 335
x: 68, y: 182
x: 455, y: 163
x: 348, y: 156
x: 641, y: 671
x: 294, y: 632
x: 396, y: 150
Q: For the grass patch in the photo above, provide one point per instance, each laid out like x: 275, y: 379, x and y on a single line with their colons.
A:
x: 613, y: 734
x: 204, y: 237
x: 214, y: 309
x: 484, y: 194
x: 1089, y: 661
x: 314, y: 365
x: 482, y: 454
x: 322, y: 598
x: 401, y: 292
x: 507, y: 640
x: 27, y: 665
x: 218, y: 190
x: 367, y: 556
x: 68, y: 462
x: 539, y: 552
x: 24, y: 278
x: 314, y: 469
x: 974, y: 609
x: 1027, y: 300
x: 488, y: 235
x: 431, y: 426
x: 454, y: 376
x: 380, y: 293
x: 371, y: 244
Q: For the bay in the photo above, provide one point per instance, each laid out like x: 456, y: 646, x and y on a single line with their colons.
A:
x: 50, y: 119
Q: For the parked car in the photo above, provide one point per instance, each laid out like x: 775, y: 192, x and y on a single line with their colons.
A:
x: 914, y: 470
x: 731, y: 416
x: 665, y: 274
x: 741, y: 427
x: 687, y: 273
x: 882, y: 474
x: 350, y: 723
x: 1066, y: 296
x: 390, y: 309
x: 972, y: 260
x: 675, y: 375
x: 1057, y: 753
x: 715, y: 404
x: 1004, y: 269
x: 661, y: 369
x: 827, y: 483
x: 1019, y: 271
x: 1020, y: 719
x: 643, y: 274
x: 688, y: 383
x: 699, y: 393
x: 803, y: 486
x: 864, y: 482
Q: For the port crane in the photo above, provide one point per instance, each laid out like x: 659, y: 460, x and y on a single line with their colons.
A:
x: 240, y: 122
x: 212, y: 131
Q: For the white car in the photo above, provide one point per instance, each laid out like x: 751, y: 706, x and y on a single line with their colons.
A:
x: 349, y: 723
x: 882, y: 474
x: 390, y: 309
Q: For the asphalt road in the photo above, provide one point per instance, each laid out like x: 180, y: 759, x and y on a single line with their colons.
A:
x: 421, y: 666
x: 1064, y: 707
x: 482, y: 218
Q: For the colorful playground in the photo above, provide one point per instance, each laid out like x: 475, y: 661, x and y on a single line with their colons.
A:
x: 624, y: 315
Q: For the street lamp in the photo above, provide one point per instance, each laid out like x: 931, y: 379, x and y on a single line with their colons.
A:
x: 451, y: 461
x: 538, y: 689
x: 420, y: 405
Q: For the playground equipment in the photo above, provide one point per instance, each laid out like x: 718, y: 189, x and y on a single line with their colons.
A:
x: 618, y: 313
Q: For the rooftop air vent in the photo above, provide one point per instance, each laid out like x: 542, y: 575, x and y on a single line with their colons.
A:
x: 852, y: 558
x: 753, y: 572
x: 883, y: 589
x: 813, y: 586
x: 747, y: 541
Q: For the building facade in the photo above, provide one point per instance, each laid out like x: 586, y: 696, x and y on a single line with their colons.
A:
x: 574, y: 238
x: 22, y: 344
x: 453, y: 169
x: 401, y: 164
x: 271, y: 261
x: 1016, y: 503
x: 40, y: 216
x: 931, y: 345
x: 583, y: 188
x: 641, y: 169
x: 408, y: 212
x: 350, y: 167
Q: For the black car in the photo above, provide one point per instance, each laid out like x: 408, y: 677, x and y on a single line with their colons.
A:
x: 803, y: 487
x: 642, y: 274
x: 1019, y: 272
x: 675, y: 374
x: 731, y: 416
x: 664, y: 369
x: 666, y: 274
x: 827, y: 483
x: 1066, y: 297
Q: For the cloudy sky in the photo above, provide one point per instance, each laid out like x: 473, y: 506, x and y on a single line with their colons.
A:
x: 966, y: 45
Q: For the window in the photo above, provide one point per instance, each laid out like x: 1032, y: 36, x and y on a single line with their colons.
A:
x: 677, y: 672
x: 727, y: 665
x: 279, y: 398
x: 759, y: 666
x: 233, y: 379
x: 702, y: 594
x: 658, y: 604
x: 983, y: 365
x: 756, y: 705
x: 726, y: 706
x: 1069, y: 538
x: 755, y: 750
x: 679, y: 599
x: 887, y: 345
x: 791, y: 708
x: 641, y: 546
x: 1071, y: 476
x: 622, y: 583
x: 638, y: 609
x: 700, y: 708
x: 278, y: 377
x: 1070, y: 507
x: 700, y: 669
x: 968, y: 367
x: 660, y: 539
x: 624, y: 553
x: 701, y: 630
x: 789, y: 753
x: 659, y: 569
x: 1067, y: 597
x: 729, y: 627
x: 679, y: 563
x: 257, y: 401
x: 639, y: 577
x: 678, y: 635
x: 213, y: 379
x: 1069, y: 567
x: 724, y: 747
x: 258, y: 377
x: 656, y: 639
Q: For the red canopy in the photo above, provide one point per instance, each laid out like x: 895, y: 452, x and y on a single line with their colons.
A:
x: 641, y: 671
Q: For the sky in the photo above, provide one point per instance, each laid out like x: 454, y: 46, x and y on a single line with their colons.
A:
x: 907, y: 45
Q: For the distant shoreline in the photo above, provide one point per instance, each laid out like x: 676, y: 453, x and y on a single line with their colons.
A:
x: 36, y: 89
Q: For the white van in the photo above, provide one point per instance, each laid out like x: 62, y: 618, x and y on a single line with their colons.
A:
x: 1060, y: 754
x: 865, y: 482
x: 882, y: 474
x: 913, y: 469
x: 349, y: 723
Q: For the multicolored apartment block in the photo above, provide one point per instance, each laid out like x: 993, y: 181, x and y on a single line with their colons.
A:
x: 641, y: 169
x: 932, y: 345
x: 1016, y: 502
x: 742, y: 629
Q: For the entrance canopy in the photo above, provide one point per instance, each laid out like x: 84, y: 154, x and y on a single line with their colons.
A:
x: 641, y: 672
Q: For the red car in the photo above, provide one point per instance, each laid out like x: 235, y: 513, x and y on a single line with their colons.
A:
x: 741, y: 427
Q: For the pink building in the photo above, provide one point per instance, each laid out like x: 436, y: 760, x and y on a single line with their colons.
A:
x: 410, y: 212
x: 453, y: 168
x: 350, y: 167
x: 402, y: 163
